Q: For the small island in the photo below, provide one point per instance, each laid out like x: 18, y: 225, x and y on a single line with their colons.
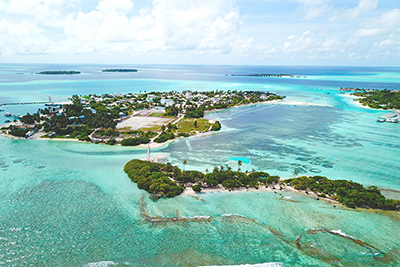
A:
x: 264, y: 75
x: 120, y: 70
x: 165, y: 180
x: 56, y: 72
x: 268, y: 75
x: 380, y: 99
x: 133, y: 119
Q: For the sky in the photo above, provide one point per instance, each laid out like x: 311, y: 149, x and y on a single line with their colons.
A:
x: 222, y: 32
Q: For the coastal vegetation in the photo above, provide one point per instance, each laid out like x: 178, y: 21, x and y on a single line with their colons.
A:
x: 165, y: 180
x: 379, y: 99
x: 19, y: 132
x: 56, y: 72
x: 349, y: 193
x: 155, y: 178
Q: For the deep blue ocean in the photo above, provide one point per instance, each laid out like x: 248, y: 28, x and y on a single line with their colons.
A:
x: 71, y: 204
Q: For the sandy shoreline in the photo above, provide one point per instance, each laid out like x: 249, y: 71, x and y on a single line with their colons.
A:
x: 358, y: 104
x: 219, y: 189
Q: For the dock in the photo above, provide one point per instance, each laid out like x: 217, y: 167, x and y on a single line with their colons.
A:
x: 393, y: 117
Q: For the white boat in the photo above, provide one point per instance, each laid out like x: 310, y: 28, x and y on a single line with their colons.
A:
x: 8, y: 114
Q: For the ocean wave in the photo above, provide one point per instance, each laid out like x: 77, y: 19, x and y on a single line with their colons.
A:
x: 232, y: 214
x: 339, y: 232
x: 100, y: 264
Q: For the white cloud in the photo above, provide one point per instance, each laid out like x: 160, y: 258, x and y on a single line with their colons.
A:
x: 47, y: 12
x: 22, y: 38
x: 198, y: 29
x: 363, y: 8
x: 173, y: 25
x: 312, y: 9
x: 119, y: 6
x: 387, y: 23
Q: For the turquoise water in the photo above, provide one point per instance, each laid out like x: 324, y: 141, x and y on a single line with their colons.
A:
x: 71, y: 204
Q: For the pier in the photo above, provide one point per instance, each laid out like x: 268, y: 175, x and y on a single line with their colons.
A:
x: 393, y: 117
x: 22, y: 103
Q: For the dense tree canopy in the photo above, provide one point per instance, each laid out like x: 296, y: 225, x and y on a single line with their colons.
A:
x: 350, y: 193
x: 385, y: 99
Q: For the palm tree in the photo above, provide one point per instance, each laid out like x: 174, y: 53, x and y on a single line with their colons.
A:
x: 184, y: 163
x: 239, y: 164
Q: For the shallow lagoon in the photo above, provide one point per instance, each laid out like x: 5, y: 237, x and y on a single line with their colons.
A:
x: 69, y: 203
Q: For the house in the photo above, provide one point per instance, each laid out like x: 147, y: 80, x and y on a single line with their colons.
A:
x: 167, y: 102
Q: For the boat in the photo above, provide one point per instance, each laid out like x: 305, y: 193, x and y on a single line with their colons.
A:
x: 381, y: 120
x: 8, y: 114
x: 7, y: 121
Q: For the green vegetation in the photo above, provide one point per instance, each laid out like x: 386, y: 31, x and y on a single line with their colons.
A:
x: 30, y: 119
x: 349, y: 193
x: 135, y: 141
x: 156, y: 115
x: 171, y: 111
x: 63, y: 72
x: 107, y: 133
x: 234, y: 179
x: 19, y: 132
x: 197, y: 188
x: 164, y: 136
x: 155, y: 178
x: 216, y: 126
x: 80, y: 132
x: 119, y: 70
x: 164, y: 176
x: 188, y: 125
x: 379, y: 99
x: 194, y: 113
x: 111, y: 142
x: 137, y: 133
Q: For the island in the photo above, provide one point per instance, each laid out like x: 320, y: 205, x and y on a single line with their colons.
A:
x: 56, y: 72
x: 165, y: 180
x: 120, y: 70
x: 133, y: 119
x: 380, y: 99
x: 264, y: 75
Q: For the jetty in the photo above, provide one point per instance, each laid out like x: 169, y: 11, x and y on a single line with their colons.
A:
x: 393, y: 117
x: 22, y: 103
x: 178, y: 218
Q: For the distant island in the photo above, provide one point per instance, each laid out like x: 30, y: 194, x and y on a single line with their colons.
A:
x: 165, y: 180
x: 133, y: 119
x: 56, y: 72
x: 120, y: 70
x: 274, y: 75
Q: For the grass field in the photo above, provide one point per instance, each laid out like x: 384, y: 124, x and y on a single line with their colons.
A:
x: 187, y: 125
x: 156, y: 115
